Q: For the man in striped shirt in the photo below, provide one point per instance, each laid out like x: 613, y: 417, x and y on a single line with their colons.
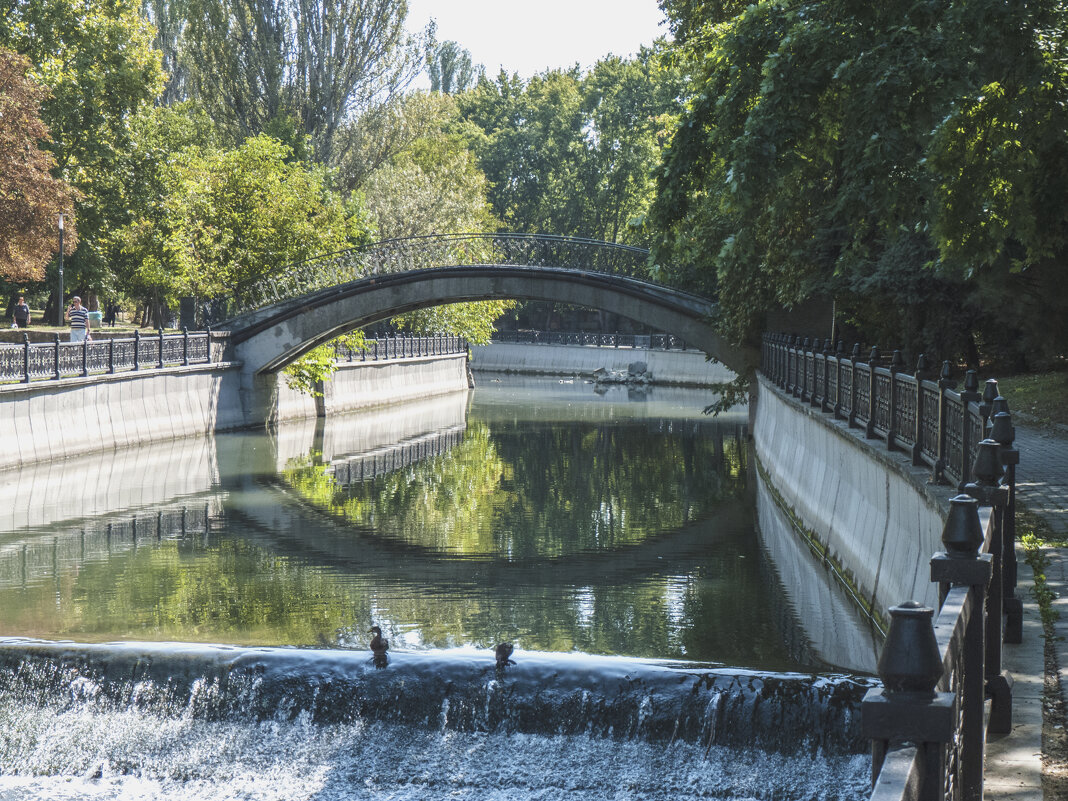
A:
x: 79, y: 320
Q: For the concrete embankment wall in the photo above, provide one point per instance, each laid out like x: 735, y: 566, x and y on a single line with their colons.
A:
x: 47, y: 420
x: 875, y: 515
x: 683, y: 367
x: 50, y: 420
x: 360, y: 385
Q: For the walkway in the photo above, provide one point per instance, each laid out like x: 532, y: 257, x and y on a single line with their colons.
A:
x: 1014, y: 762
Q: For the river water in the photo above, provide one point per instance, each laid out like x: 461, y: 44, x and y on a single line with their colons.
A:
x: 192, y: 619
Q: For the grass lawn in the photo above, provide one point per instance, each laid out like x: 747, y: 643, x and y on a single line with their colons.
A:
x: 1044, y: 396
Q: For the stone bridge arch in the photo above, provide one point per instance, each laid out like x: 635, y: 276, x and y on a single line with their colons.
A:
x: 268, y: 339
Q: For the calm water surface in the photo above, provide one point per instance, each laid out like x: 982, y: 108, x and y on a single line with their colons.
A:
x: 612, y: 537
x: 538, y: 512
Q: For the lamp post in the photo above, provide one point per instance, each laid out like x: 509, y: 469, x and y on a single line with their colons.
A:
x: 59, y: 302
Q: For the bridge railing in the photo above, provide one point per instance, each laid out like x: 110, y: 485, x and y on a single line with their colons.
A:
x: 401, y: 347
x: 412, y: 253
x: 33, y: 361
x: 927, y: 723
x: 647, y: 341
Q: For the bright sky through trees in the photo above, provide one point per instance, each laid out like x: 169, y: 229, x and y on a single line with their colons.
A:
x: 530, y: 37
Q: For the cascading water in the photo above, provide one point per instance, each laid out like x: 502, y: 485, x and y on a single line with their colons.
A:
x: 618, y: 526
x: 132, y: 720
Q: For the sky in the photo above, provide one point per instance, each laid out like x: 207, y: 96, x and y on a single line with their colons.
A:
x: 529, y: 37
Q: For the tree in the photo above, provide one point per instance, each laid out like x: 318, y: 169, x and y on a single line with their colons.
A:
x: 450, y: 67
x: 434, y: 185
x: 255, y: 63
x: 97, y: 60
x: 873, y: 152
x: 573, y: 154
x: 31, y: 199
x: 229, y: 218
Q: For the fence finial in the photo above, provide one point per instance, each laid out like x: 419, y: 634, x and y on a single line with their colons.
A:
x: 910, y: 661
x: 963, y: 533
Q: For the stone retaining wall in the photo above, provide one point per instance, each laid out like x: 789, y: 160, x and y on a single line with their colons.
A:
x: 49, y: 420
x: 875, y: 515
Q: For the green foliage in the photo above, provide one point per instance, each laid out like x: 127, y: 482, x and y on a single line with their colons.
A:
x: 887, y: 154
x: 97, y: 60
x: 573, y: 154
x: 450, y: 67
x: 308, y: 373
x: 253, y: 63
x: 229, y: 218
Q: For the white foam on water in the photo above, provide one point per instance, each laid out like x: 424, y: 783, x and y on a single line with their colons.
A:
x: 75, y: 753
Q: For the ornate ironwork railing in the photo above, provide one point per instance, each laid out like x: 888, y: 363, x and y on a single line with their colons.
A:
x: 401, y: 347
x: 939, y: 426
x: 648, y: 341
x: 411, y: 253
x: 928, y: 724
x: 33, y: 361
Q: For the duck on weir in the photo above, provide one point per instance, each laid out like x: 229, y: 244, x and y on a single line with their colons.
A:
x: 379, y: 646
x: 503, y: 652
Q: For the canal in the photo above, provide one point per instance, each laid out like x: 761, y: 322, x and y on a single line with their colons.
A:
x: 193, y: 618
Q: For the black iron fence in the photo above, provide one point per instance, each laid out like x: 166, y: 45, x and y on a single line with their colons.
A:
x: 401, y: 347
x: 647, y: 341
x: 32, y: 361
x: 920, y: 413
x: 927, y: 724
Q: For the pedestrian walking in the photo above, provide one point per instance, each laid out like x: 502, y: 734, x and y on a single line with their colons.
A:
x: 79, y: 320
x: 22, y: 313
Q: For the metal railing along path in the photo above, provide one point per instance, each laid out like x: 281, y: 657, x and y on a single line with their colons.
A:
x: 401, y: 347
x: 33, y: 361
x: 927, y: 723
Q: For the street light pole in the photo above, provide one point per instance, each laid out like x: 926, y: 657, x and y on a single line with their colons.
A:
x: 59, y: 303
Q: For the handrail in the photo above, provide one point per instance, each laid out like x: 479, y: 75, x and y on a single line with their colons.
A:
x: 401, y: 347
x: 927, y: 723
x: 34, y: 361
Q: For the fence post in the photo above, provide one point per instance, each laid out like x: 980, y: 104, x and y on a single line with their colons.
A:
x: 1002, y: 432
x: 921, y: 376
x: 55, y: 356
x: 839, y: 357
x: 961, y: 564
x: 817, y: 349
x: 854, y: 357
x: 803, y: 377
x: 906, y: 707
x: 25, y: 358
x: 185, y: 345
x: 970, y: 394
x: 985, y: 489
x: 137, y: 349
x: 990, y: 391
x: 945, y: 382
x: 85, y: 354
x: 897, y: 361
x: 825, y: 399
x: 111, y: 354
x: 873, y: 363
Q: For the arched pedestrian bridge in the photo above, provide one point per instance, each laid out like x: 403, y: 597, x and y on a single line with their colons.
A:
x: 315, y: 301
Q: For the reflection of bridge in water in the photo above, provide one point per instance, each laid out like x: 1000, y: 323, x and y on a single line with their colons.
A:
x: 354, y: 469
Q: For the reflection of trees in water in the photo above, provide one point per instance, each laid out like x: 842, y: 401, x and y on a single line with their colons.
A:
x: 520, y: 490
x: 266, y: 570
